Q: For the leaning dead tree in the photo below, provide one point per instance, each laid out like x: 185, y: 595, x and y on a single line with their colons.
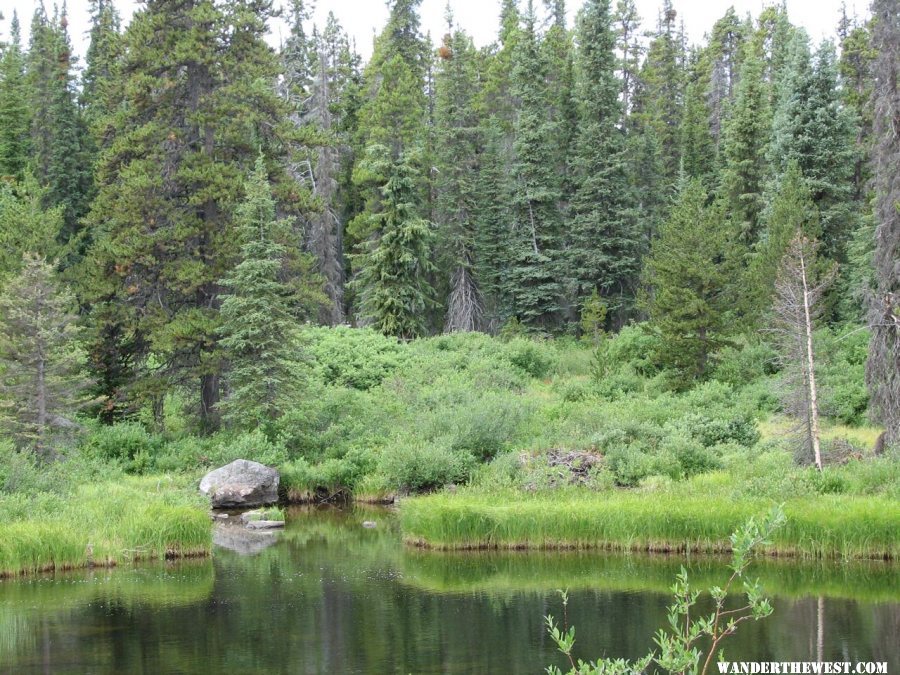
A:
x: 799, y: 288
x: 883, y: 367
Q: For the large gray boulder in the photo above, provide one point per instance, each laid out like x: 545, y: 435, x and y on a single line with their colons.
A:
x: 241, y: 484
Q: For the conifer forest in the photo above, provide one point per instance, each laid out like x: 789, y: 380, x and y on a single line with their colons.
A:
x: 595, y: 284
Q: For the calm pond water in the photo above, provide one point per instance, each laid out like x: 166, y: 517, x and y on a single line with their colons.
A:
x: 333, y: 597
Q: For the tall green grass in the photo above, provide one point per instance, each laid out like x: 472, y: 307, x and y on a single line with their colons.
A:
x: 104, y: 524
x: 822, y: 526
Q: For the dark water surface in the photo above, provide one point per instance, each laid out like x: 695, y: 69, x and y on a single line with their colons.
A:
x: 333, y: 597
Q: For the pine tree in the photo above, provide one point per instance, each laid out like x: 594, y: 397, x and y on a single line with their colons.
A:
x: 745, y: 139
x: 698, y: 150
x: 459, y: 144
x: 792, y: 211
x: 394, y: 268
x: 25, y: 225
x: 814, y: 129
x: 883, y: 367
x: 660, y: 101
x: 314, y: 77
x: 186, y: 132
x: 723, y: 56
x: 557, y: 54
x: 14, y: 111
x: 686, y: 285
x: 534, y: 275
x: 42, y: 381
x: 58, y: 132
x: 629, y: 49
x: 394, y: 115
x: 101, y: 62
x: 258, y: 331
x: 856, y: 78
x: 605, y: 239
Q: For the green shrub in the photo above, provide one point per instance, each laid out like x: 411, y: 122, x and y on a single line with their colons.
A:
x: 826, y: 482
x: 692, y: 456
x: 713, y: 431
x: 486, y: 426
x: 124, y: 442
x: 629, y: 465
x: 18, y: 470
x: 634, y: 347
x: 360, y: 358
x: 532, y: 357
x: 183, y: 454
x: 418, y: 468
x: 742, y: 364
x: 332, y: 419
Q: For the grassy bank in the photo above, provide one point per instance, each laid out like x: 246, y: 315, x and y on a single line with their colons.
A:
x: 820, y: 526
x: 103, y: 524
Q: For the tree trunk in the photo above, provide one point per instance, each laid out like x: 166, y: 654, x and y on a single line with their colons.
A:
x: 811, y: 370
x: 209, y: 397
x: 41, y: 405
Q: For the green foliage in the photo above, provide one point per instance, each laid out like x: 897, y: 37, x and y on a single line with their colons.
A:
x: 532, y: 357
x: 686, y: 280
x: 14, y: 112
x: 120, y: 442
x: 411, y: 468
x: 259, y: 335
x: 42, y: 381
x: 395, y: 264
x: 356, y: 358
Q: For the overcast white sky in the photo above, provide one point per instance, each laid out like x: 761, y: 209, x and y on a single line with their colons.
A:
x: 479, y: 17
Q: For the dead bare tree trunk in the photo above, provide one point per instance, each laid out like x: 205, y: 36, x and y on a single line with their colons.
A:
x: 798, y: 294
x: 810, y: 361
x: 464, y: 312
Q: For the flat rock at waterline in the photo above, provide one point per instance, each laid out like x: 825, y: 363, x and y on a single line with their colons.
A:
x: 241, y: 483
x: 265, y: 524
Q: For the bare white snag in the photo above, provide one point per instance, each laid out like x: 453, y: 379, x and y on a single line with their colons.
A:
x: 810, y: 360
x: 798, y: 294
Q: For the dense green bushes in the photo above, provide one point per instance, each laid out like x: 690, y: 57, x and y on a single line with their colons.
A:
x: 381, y: 417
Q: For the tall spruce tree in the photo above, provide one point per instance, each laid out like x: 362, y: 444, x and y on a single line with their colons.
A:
x: 813, y: 128
x: 745, y: 139
x: 101, y: 61
x: 660, y: 101
x: 459, y: 143
x: 791, y: 212
x: 14, y: 110
x: 58, y: 133
x: 42, y: 380
x: 686, y: 282
x: 535, y: 243
x: 605, y: 238
x: 187, y: 130
x: 557, y: 53
x: 393, y: 283
x: 883, y: 367
x: 393, y: 115
x: 698, y: 150
x: 258, y: 331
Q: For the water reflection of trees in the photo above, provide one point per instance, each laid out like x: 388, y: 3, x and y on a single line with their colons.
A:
x: 332, y: 596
